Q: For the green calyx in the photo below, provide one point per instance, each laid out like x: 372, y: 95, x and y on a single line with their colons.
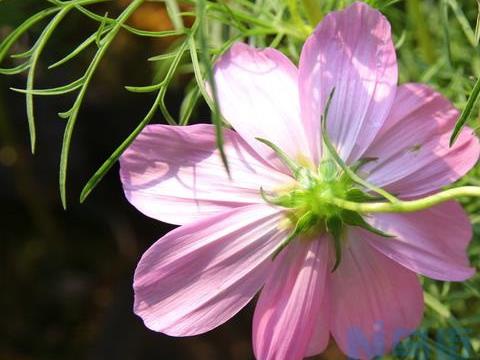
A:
x: 314, y: 199
x: 311, y: 201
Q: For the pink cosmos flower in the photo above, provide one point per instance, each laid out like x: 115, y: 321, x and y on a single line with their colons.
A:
x: 201, y: 274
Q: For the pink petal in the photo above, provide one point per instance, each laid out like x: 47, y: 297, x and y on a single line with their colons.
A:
x: 258, y: 95
x: 375, y: 302
x: 289, y: 306
x: 175, y: 174
x: 431, y: 242
x: 352, y: 52
x: 321, y: 333
x: 414, y: 156
x: 199, y: 275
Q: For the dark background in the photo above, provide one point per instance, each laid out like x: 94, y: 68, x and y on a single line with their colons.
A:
x: 66, y: 276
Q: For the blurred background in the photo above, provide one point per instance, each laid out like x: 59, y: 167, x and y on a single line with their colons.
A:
x: 66, y: 276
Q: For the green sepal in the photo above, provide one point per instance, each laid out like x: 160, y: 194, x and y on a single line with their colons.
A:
x: 328, y: 169
x: 355, y: 219
x: 269, y: 199
x: 304, y: 223
x: 283, y: 200
x: 360, y: 196
x: 304, y: 177
x: 334, y: 226
x: 289, y: 163
x: 361, y: 162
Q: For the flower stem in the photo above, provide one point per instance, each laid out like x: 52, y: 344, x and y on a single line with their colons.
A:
x: 409, y: 205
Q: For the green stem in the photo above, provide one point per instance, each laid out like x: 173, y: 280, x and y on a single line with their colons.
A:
x: 298, y: 33
x: 44, y: 37
x: 297, y: 19
x: 407, y: 206
x: 466, y: 113
x: 74, y: 111
x: 157, y: 104
x: 7, y: 43
x: 313, y: 10
x: 422, y: 33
